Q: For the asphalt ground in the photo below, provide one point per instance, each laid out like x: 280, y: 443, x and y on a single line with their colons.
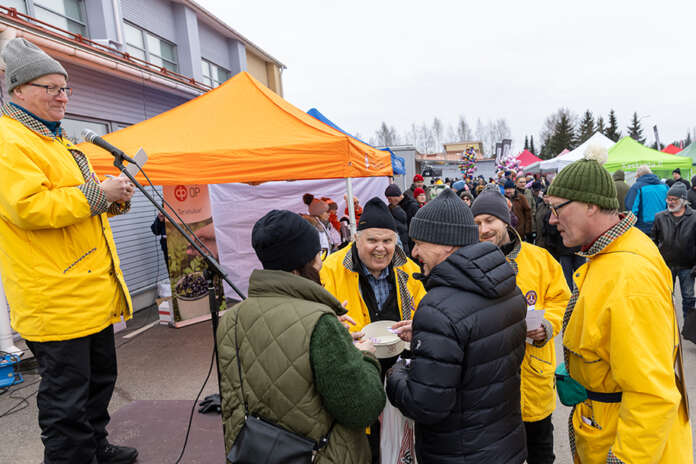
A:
x: 170, y: 364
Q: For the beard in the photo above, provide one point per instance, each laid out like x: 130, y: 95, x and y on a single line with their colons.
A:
x: 309, y: 272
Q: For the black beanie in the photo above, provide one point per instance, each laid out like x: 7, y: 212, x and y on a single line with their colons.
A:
x: 491, y: 202
x: 376, y: 215
x: 283, y: 241
x: 446, y: 220
x: 392, y: 191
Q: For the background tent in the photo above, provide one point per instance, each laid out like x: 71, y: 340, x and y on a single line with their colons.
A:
x: 526, y: 158
x: 689, y: 152
x: 671, y: 149
x: 628, y: 154
x: 564, y: 159
x: 398, y: 163
x: 241, y: 132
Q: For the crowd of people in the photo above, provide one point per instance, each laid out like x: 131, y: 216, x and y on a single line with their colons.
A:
x: 458, y: 269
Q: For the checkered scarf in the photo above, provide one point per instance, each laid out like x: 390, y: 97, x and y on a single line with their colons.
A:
x: 597, y: 247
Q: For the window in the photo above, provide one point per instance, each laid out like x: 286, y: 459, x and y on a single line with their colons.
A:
x: 141, y: 44
x: 214, y: 75
x: 19, y: 5
x: 72, y: 128
x: 66, y: 14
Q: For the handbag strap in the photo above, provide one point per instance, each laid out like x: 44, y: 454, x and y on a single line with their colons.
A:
x: 239, y: 362
x: 323, y: 441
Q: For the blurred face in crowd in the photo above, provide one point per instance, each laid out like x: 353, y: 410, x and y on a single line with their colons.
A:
x: 431, y: 254
x: 572, y: 220
x: 421, y: 198
x: 325, y: 215
x: 521, y: 183
x: 376, y: 248
x: 510, y: 192
x: 676, y: 175
x: 394, y: 201
x: 467, y: 201
x: 675, y: 204
x: 492, y: 229
x: 419, y: 184
x: 37, y: 99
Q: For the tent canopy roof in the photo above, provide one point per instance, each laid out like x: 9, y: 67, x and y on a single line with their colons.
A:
x: 526, y: 158
x: 628, y: 154
x: 240, y: 132
x: 690, y: 152
x: 567, y: 157
x: 671, y: 149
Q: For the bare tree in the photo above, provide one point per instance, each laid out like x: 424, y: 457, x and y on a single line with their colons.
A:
x: 385, y: 135
x: 463, y: 129
x: 452, y: 134
x: 437, y: 133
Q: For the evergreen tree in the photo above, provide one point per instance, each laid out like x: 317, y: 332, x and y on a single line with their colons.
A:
x: 531, y: 145
x: 563, y: 135
x: 586, y: 129
x: 687, y: 142
x: 526, y: 143
x: 599, y: 127
x: 613, y: 131
x: 635, y: 131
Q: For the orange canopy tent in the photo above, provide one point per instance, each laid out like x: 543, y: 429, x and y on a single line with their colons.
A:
x: 240, y: 132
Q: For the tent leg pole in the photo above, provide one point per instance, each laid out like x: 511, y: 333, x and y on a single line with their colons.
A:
x: 351, y: 208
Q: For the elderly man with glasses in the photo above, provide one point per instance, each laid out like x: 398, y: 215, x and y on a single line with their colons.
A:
x: 58, y: 260
x: 620, y: 335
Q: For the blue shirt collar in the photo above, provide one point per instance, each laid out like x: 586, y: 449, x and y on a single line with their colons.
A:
x: 366, y: 272
x: 53, y: 126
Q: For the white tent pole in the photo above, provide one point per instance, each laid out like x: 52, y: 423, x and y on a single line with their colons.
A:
x: 351, y: 207
x: 6, y: 340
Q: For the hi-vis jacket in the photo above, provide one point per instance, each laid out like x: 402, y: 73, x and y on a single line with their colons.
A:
x: 623, y: 337
x: 58, y: 259
x: 341, y: 281
x: 541, y: 280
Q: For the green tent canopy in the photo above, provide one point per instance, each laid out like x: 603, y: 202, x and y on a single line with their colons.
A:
x: 628, y: 154
x: 689, y: 152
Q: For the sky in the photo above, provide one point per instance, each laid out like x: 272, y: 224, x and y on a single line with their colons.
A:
x: 403, y: 62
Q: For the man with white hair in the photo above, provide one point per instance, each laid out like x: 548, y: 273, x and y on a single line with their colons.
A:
x: 674, y: 233
x: 646, y: 198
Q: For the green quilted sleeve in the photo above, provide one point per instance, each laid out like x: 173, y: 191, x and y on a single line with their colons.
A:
x: 347, y: 380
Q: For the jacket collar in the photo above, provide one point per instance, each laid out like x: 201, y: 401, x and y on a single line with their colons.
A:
x: 267, y: 283
x: 608, y: 237
x: 516, y: 248
x: 27, y: 120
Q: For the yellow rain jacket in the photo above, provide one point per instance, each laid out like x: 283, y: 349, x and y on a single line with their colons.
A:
x: 541, y: 280
x: 58, y: 261
x: 339, y: 279
x: 623, y: 337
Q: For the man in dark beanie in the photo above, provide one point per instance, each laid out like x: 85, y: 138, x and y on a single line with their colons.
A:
x: 676, y: 177
x: 374, y: 277
x: 520, y: 208
x: 540, y: 278
x: 462, y: 386
x: 300, y: 367
x: 58, y: 260
x: 674, y: 233
x: 620, y: 333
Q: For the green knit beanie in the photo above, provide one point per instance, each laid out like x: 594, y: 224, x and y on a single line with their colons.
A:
x: 587, y: 181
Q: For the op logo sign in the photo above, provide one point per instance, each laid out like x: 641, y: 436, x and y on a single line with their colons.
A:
x: 182, y: 193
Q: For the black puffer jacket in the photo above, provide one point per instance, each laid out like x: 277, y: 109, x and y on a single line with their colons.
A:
x: 401, y: 221
x: 462, y: 387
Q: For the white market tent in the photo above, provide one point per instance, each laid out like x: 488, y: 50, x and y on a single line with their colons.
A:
x: 563, y: 160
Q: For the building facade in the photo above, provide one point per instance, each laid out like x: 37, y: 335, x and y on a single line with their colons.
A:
x: 129, y: 60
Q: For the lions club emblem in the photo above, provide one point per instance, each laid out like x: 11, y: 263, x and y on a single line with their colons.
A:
x: 531, y: 297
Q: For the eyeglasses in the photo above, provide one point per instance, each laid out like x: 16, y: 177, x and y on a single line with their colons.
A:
x: 53, y: 90
x: 554, y: 209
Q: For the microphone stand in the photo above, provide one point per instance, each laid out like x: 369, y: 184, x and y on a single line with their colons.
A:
x: 212, y: 269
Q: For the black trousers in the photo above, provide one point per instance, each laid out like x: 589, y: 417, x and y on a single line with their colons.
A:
x: 77, y: 380
x: 540, y: 441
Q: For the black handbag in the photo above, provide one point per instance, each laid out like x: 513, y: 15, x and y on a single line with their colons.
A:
x: 262, y: 441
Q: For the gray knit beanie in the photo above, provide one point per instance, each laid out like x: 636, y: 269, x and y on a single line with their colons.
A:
x: 25, y: 62
x: 446, y: 220
x: 678, y: 190
x: 491, y: 202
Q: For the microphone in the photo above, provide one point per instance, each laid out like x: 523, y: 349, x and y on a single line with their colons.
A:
x: 89, y: 136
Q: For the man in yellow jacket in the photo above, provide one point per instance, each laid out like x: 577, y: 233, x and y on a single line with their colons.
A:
x: 373, y: 277
x: 58, y: 260
x: 620, y: 336
x: 540, y: 278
